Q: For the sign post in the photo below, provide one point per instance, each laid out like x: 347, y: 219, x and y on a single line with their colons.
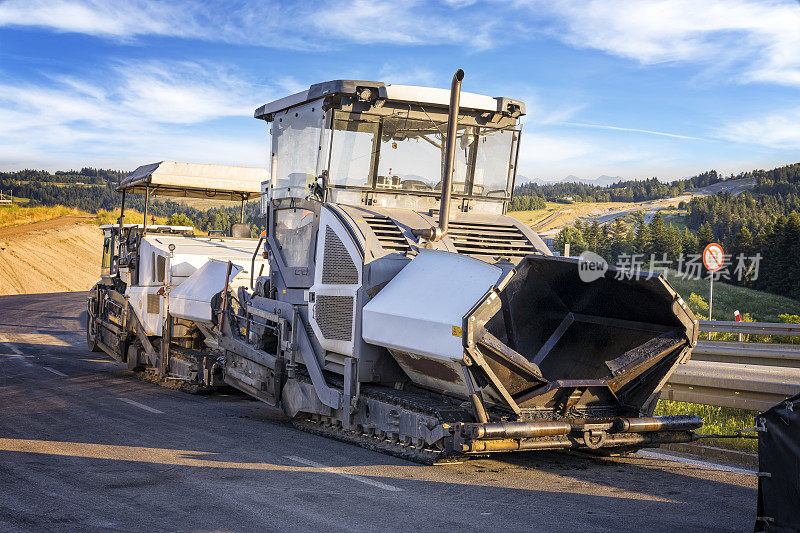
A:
x: 738, y: 318
x: 713, y: 259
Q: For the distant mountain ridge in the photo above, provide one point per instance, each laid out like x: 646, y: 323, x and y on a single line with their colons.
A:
x: 600, y: 181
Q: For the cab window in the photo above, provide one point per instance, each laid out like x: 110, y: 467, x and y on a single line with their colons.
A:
x: 108, y: 252
x: 294, y: 229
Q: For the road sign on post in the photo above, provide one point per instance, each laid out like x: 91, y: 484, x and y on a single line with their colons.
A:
x: 713, y: 259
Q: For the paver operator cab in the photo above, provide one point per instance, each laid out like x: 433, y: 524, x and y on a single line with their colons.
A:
x: 404, y: 311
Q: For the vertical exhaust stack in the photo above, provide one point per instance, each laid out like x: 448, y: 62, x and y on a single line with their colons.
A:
x: 437, y: 232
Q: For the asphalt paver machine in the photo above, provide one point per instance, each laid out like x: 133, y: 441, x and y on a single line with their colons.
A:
x: 404, y: 311
x: 151, y: 308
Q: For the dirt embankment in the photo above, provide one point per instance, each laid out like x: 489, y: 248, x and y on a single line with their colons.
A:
x: 61, y: 254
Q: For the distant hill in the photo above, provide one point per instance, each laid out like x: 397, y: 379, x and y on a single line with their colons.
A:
x: 617, y: 191
x: 600, y: 181
x: 93, y: 190
x: 759, y: 228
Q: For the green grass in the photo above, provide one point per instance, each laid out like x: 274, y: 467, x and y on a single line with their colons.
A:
x: 761, y: 306
x: 674, y: 219
x: 17, y: 215
x: 534, y: 216
x: 716, y: 420
x: 131, y: 217
x: 18, y: 200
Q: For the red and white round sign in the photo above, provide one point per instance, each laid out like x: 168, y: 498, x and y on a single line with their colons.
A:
x: 713, y: 257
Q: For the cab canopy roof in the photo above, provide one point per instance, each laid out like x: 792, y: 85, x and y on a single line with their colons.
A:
x: 196, y: 180
x: 376, y: 91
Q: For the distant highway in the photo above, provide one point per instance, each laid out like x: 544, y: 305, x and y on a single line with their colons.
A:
x: 84, y: 445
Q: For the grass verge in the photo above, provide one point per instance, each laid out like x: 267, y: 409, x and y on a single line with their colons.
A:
x: 16, y: 215
x: 716, y: 420
x: 531, y: 218
x: 761, y: 306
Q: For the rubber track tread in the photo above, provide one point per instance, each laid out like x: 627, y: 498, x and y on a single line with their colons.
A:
x: 441, y: 409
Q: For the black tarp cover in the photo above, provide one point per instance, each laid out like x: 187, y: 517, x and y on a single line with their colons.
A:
x: 779, y: 467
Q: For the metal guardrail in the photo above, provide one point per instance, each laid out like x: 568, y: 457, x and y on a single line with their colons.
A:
x: 743, y: 375
x: 750, y: 328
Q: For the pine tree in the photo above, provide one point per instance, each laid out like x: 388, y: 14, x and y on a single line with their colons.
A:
x: 673, y: 241
x: 574, y: 237
x: 658, y: 240
x: 743, y: 243
x: 642, y: 240
x: 689, y: 242
x: 705, y: 236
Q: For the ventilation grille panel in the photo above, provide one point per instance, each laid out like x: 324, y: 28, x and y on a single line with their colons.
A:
x: 334, y: 316
x: 493, y: 240
x: 337, y: 266
x: 389, y: 235
x: 153, y: 303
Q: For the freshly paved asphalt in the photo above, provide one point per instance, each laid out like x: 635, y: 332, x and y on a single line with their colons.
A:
x: 84, y: 445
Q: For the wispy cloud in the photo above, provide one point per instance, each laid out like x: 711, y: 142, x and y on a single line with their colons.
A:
x: 759, y: 38
x: 751, y: 40
x: 140, y: 110
x: 779, y: 130
x: 107, y: 19
x: 300, y: 25
x: 633, y: 130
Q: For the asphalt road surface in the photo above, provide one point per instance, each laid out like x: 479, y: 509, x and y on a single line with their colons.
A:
x: 85, y: 445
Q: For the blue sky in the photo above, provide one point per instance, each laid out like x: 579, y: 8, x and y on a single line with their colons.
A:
x: 635, y: 89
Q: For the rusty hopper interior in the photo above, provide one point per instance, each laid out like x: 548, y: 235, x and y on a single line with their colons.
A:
x: 603, y: 347
x: 591, y: 357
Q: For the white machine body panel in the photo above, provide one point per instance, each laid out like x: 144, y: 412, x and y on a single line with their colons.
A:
x: 418, y: 315
x: 336, y: 282
x: 191, y: 300
x: 149, y: 308
x: 161, y: 268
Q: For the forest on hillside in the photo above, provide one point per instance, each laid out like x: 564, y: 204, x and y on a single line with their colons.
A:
x: 760, y: 223
x: 87, y: 175
x: 92, y: 190
x: 530, y: 196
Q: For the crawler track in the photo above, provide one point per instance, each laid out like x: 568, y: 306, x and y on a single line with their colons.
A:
x: 399, y: 445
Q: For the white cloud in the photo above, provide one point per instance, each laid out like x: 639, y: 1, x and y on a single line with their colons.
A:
x: 759, y: 38
x: 632, y: 130
x: 780, y: 130
x: 290, y: 85
x: 183, y: 93
x: 93, y: 17
x: 141, y: 110
x: 285, y: 25
x: 752, y: 40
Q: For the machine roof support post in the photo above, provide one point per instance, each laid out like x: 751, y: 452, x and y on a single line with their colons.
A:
x: 122, y: 212
x: 241, y: 212
x: 146, y: 201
